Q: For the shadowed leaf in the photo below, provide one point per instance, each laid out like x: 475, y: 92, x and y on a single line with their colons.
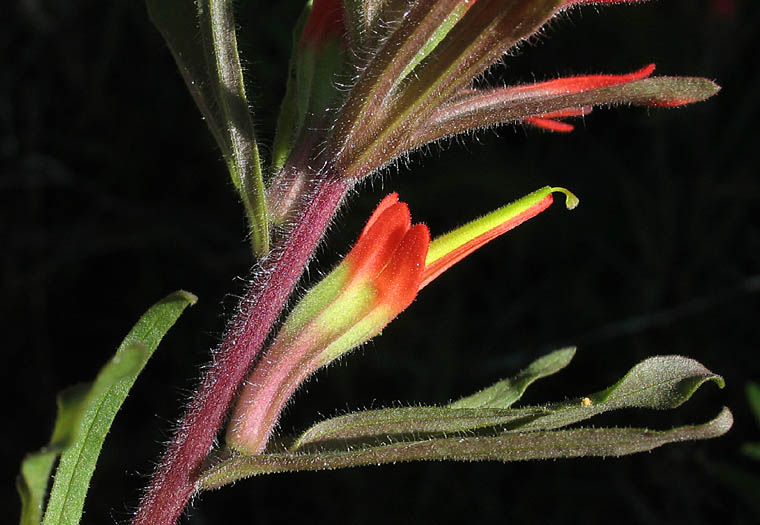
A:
x: 408, y: 423
x: 657, y: 383
x: 508, y: 447
x: 487, y: 433
x: 201, y: 36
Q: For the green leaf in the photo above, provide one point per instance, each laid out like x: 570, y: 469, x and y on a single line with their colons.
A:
x: 318, y: 62
x: 408, y: 424
x: 435, y: 38
x: 508, y: 447
x: 480, y: 410
x: 217, y: 25
x: 201, y: 36
x: 487, y: 433
x: 659, y: 383
x: 32, y: 482
x: 87, y: 421
x: 506, y: 392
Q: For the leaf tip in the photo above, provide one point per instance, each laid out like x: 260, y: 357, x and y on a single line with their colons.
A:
x: 564, y: 355
x: 187, y: 296
x: 691, y: 90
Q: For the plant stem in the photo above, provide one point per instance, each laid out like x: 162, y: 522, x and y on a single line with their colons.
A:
x: 174, y: 482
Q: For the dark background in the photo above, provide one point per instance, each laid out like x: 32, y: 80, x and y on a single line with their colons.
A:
x: 113, y: 194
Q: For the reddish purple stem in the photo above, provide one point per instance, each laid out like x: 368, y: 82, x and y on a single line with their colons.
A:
x: 174, y: 481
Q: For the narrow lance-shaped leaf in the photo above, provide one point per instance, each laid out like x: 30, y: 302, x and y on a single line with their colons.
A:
x: 508, y: 391
x: 479, y: 410
x: 210, y: 66
x: 373, y: 427
x: 217, y: 25
x: 582, y: 442
x: 32, y: 483
x: 320, y: 62
x: 100, y: 405
x: 659, y: 383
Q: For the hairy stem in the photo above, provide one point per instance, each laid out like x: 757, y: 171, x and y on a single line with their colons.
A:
x: 174, y: 482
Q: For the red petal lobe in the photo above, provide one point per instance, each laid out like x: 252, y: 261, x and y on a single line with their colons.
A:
x: 379, y: 240
x: 399, y: 283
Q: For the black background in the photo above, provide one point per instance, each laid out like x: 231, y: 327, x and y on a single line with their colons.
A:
x: 113, y: 195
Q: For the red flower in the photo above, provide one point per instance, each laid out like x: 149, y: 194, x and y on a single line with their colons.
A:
x: 390, y: 263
